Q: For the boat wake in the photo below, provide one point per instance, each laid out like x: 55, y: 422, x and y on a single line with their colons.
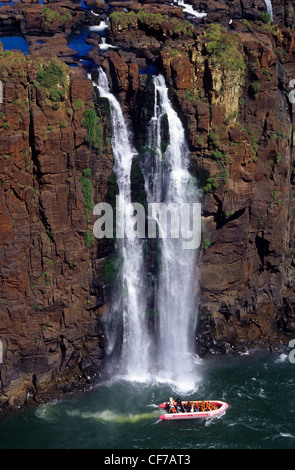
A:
x: 109, y: 416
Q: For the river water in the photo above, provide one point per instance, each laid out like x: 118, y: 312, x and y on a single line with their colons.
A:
x: 124, y: 415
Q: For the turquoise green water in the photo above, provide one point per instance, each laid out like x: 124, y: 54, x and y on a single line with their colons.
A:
x: 120, y: 415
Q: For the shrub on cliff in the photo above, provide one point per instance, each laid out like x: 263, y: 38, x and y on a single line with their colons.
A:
x: 94, y: 130
x: 119, y: 20
x: 174, y: 27
x: 53, y: 77
x: 49, y: 17
x: 223, y: 49
x: 87, y: 191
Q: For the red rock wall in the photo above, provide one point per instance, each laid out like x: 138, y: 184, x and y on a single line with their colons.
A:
x: 51, y: 294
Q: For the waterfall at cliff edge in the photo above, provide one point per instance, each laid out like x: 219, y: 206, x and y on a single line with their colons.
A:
x: 269, y: 9
x: 130, y: 298
x: 169, y: 181
x: 168, y: 358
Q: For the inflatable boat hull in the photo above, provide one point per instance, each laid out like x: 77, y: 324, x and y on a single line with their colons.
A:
x: 220, y: 409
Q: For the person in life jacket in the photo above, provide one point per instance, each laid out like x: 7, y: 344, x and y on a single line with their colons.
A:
x: 172, y: 408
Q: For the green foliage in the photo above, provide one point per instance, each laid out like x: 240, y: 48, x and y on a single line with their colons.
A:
x: 223, y: 49
x: 206, y: 243
x: 89, y: 239
x: 254, y: 140
x: 48, y: 16
x: 247, y: 24
x: 218, y: 156
x: 173, y: 52
x: 276, y: 198
x: 214, y: 139
x: 265, y: 17
x: 87, y: 191
x: 255, y: 88
x: 94, y: 130
x: 123, y: 20
x: 212, y: 183
x: 87, y: 172
x: 52, y: 76
x: 182, y: 28
x: 151, y: 21
x: 79, y: 104
x: 281, y: 134
x: 70, y: 112
x: 200, y: 140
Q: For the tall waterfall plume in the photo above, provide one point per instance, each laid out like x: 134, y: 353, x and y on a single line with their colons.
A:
x: 130, y: 298
x: 168, y: 181
x: 168, y: 357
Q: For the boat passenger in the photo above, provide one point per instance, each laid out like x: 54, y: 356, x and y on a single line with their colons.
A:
x: 171, y: 405
x: 179, y: 406
x: 188, y: 406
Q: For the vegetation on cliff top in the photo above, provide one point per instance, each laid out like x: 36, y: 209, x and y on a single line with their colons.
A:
x: 49, y: 16
x: 223, y: 49
x: 151, y: 22
x: 12, y: 65
x: 53, y: 77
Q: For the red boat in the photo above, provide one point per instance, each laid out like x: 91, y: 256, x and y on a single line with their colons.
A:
x: 199, y: 409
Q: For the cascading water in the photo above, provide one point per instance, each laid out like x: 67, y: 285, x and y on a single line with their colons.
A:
x: 269, y: 8
x: 189, y: 9
x: 131, y: 298
x: 169, y: 181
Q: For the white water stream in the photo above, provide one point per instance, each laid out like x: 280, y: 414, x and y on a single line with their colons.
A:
x: 189, y: 9
x: 131, y: 298
x: 169, y: 181
x: 169, y: 357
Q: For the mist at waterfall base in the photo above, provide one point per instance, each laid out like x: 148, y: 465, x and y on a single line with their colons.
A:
x: 120, y: 415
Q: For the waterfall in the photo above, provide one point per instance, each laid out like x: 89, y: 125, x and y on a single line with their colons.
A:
x: 130, y: 298
x: 104, y: 46
x: 169, y: 181
x: 269, y: 9
x: 100, y: 28
x: 169, y: 357
x: 189, y: 9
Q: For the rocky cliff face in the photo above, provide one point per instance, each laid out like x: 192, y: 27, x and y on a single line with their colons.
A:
x: 230, y: 87
x: 51, y: 294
